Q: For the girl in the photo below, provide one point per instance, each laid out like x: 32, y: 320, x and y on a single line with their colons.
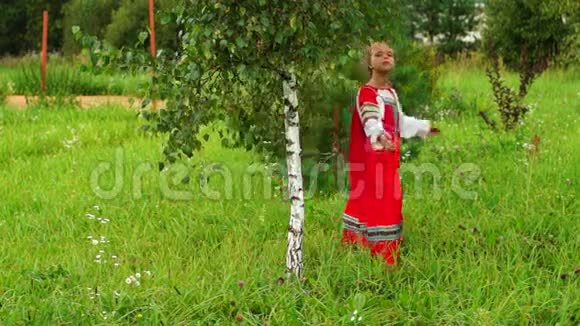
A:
x: 372, y: 217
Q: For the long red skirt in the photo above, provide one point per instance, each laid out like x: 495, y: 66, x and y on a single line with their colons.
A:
x: 373, y: 215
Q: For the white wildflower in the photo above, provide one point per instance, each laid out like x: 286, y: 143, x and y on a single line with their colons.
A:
x: 138, y: 275
x: 148, y: 273
x: 95, y: 242
x: 128, y: 280
x: 116, y: 294
x: 114, y: 257
x: 90, y: 216
x: 355, y: 312
x: 68, y: 143
x: 116, y: 264
x: 359, y: 318
x: 352, y: 318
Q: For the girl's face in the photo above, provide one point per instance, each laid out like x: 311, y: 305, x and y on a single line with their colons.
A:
x: 382, y: 58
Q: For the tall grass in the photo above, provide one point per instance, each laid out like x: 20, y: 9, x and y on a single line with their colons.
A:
x: 66, y: 78
x: 3, y: 93
x: 134, y: 253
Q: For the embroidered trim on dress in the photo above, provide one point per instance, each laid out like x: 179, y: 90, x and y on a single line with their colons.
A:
x: 373, y: 233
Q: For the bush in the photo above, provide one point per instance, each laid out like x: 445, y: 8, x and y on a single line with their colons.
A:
x: 415, y: 78
x: 528, y: 36
x: 132, y: 17
x: 92, y: 16
x: 21, y: 25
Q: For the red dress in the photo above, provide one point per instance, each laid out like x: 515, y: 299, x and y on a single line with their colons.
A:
x: 373, y: 214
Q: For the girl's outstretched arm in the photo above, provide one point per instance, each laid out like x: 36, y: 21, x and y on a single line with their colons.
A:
x: 410, y: 126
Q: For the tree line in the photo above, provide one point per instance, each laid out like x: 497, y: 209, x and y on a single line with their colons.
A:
x: 446, y: 23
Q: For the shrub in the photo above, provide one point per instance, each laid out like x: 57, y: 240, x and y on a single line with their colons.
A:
x: 92, y: 16
x: 527, y: 36
x: 132, y: 17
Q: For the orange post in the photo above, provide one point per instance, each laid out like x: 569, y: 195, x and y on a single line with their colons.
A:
x: 44, y: 50
x: 152, y: 27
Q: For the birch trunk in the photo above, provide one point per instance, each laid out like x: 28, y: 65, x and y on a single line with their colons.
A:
x: 295, y: 189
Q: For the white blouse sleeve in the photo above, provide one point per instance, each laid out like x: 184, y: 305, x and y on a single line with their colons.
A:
x: 410, y: 126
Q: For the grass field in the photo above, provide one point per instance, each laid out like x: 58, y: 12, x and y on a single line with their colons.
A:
x: 504, y: 249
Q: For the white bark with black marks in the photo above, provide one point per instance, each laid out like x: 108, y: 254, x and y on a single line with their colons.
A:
x: 295, y: 189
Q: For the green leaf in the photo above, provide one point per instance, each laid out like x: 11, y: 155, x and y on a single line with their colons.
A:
x: 142, y: 37
x: 185, y: 180
x: 352, y: 53
x: 165, y: 19
x: 241, y: 43
x: 279, y: 37
x: 293, y: 22
x: 265, y: 21
x: 359, y: 300
x: 75, y: 29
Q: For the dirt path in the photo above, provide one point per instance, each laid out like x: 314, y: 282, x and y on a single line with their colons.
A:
x: 21, y: 102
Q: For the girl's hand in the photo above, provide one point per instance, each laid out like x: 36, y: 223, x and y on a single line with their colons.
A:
x: 386, y: 141
x: 433, y: 131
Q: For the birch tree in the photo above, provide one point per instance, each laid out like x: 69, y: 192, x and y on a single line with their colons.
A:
x: 248, y: 40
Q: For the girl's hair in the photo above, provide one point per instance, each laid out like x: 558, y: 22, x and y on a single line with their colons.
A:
x: 368, y: 52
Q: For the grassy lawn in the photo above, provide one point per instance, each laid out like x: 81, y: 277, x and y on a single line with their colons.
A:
x: 491, y: 232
